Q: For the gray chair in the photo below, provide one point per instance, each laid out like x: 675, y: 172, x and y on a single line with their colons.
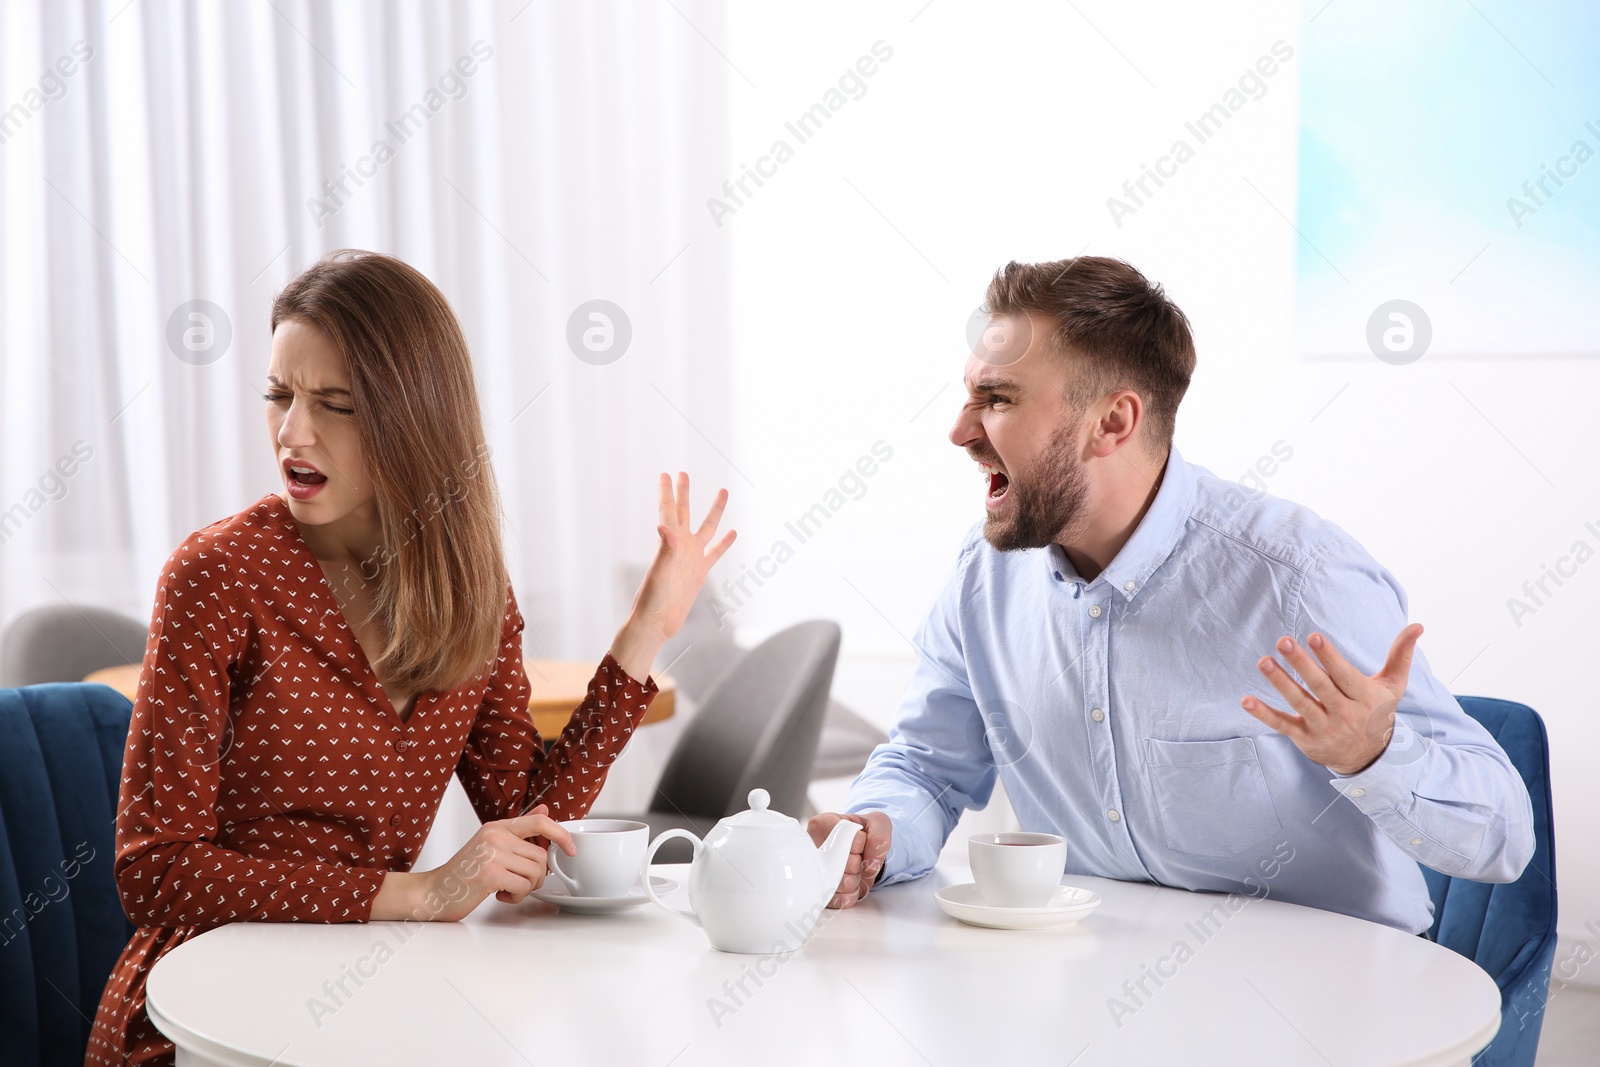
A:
x: 757, y: 726
x: 703, y: 650
x: 847, y: 741
x: 64, y: 643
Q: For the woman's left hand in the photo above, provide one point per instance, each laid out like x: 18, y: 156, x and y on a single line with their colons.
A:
x: 675, y: 577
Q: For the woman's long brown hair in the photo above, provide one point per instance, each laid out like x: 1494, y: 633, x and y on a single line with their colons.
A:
x: 440, y: 569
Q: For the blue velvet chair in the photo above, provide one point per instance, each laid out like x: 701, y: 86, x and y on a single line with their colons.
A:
x: 1508, y: 930
x: 61, y: 922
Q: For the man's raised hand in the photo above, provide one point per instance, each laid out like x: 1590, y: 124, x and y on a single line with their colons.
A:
x: 1345, y: 721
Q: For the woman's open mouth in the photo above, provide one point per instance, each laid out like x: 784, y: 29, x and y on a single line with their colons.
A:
x: 999, y: 484
x: 303, y: 479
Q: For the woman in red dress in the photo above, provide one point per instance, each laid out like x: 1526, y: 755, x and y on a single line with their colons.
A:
x: 320, y: 663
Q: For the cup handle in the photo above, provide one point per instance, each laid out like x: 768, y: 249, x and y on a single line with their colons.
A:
x: 563, y: 877
x: 644, y: 871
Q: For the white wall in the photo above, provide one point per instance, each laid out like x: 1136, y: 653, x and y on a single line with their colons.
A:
x: 193, y: 157
x: 997, y: 132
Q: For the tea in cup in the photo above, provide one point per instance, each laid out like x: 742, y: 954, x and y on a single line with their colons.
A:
x: 1017, y: 869
x: 610, y: 852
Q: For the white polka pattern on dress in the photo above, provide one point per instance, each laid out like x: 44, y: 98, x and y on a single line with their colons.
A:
x: 268, y: 778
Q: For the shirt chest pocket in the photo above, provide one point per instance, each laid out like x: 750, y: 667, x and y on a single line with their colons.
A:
x: 1211, y: 796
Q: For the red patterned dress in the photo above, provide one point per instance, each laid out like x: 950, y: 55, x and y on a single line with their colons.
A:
x: 267, y: 778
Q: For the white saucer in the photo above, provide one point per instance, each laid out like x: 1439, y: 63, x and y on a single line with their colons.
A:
x: 1068, y: 905
x: 553, y: 892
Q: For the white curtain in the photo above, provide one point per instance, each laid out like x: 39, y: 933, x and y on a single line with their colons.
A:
x: 539, y: 155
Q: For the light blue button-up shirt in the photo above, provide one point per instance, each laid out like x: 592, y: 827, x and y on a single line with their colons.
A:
x: 1110, y: 709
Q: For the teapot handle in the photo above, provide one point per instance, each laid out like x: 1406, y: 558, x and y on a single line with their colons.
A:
x: 644, y: 871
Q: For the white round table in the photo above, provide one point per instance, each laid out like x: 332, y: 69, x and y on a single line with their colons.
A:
x: 893, y: 981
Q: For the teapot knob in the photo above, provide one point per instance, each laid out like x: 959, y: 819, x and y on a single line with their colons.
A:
x: 759, y: 799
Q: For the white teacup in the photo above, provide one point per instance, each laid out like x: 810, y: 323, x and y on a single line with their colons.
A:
x: 1017, y: 869
x: 610, y: 852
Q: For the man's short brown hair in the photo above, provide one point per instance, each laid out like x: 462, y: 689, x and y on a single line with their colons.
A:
x: 1119, y: 326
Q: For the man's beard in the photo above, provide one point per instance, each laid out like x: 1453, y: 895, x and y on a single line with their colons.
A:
x: 1049, y: 504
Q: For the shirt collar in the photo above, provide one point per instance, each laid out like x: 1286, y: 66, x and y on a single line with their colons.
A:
x: 1153, y: 540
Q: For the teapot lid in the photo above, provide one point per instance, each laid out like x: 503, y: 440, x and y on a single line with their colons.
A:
x: 759, y: 814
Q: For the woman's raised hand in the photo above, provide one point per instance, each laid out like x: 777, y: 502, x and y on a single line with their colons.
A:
x: 683, y: 559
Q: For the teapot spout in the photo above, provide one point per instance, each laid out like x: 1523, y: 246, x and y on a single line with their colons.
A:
x: 835, y: 853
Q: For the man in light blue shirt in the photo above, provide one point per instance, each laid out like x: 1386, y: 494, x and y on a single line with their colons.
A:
x: 1106, y: 625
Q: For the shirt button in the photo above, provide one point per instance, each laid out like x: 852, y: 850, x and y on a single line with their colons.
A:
x: 399, y: 746
x: 1094, y: 611
x: 1114, y: 815
x: 394, y: 820
x: 1097, y: 715
x: 1416, y: 840
x: 1128, y: 585
x: 1358, y: 792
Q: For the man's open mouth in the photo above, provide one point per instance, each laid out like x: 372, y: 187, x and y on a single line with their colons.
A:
x: 998, y: 481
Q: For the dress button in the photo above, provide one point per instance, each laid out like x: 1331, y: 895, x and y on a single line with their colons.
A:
x: 1097, y: 715
x: 399, y: 746
x: 394, y: 820
x: 1094, y: 611
x: 1358, y: 792
x: 1114, y: 815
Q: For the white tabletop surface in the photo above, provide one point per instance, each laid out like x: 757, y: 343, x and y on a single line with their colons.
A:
x: 893, y: 981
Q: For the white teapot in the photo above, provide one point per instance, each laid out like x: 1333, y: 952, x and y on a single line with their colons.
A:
x: 757, y: 883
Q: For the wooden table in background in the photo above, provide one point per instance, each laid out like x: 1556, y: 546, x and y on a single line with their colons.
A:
x: 556, y: 688
x: 124, y: 679
x: 559, y: 686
